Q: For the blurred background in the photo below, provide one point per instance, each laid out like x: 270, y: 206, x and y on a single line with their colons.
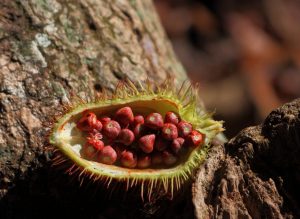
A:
x: 245, y: 54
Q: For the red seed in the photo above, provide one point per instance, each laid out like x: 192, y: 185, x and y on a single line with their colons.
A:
x: 111, y: 129
x: 98, y: 125
x: 157, y: 159
x: 154, y: 121
x: 144, y: 161
x: 195, y: 139
x: 161, y: 144
x: 124, y: 116
x: 105, y: 119
x: 94, y: 140
x: 139, y: 119
x: 98, y: 145
x: 89, y: 151
x: 177, y: 145
x: 146, y: 143
x: 139, y: 130
x: 108, y: 155
x: 169, y: 131
x: 126, y: 137
x: 168, y: 158
x: 94, y: 136
x: 128, y: 159
x: 184, y: 129
x: 171, y: 117
x: 87, y: 122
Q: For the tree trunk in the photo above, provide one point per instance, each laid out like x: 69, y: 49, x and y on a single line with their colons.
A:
x: 256, y: 174
x: 50, y: 48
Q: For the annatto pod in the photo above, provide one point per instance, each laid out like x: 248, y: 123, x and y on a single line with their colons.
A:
x: 143, y: 100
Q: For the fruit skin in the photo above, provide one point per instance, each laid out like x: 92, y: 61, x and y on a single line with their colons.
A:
x: 184, y: 129
x: 177, y: 144
x: 126, y: 137
x: 169, y: 131
x: 111, y: 129
x: 195, y: 139
x: 154, y: 121
x: 144, y: 161
x: 124, y: 116
x: 146, y: 143
x: 171, y: 117
x: 107, y: 155
x: 128, y: 159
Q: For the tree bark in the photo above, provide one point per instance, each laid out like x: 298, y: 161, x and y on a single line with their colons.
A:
x: 50, y: 48
x: 256, y: 174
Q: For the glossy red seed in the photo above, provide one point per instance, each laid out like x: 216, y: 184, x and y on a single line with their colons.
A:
x: 108, y: 155
x: 168, y: 158
x: 169, y: 131
x: 139, y: 119
x: 144, y: 161
x: 98, y: 125
x: 128, y: 159
x: 94, y: 136
x: 88, y: 150
x: 87, y: 121
x: 139, y: 130
x: 98, y: 145
x: 105, y: 119
x: 154, y: 121
x: 157, y: 158
x: 111, y: 129
x: 184, y: 129
x: 124, y: 116
x: 94, y: 140
x: 146, y: 143
x: 161, y: 144
x: 171, y: 117
x: 126, y: 137
x: 195, y: 139
x: 177, y: 145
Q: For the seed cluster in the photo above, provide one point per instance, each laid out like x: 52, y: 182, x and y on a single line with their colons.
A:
x: 137, y: 141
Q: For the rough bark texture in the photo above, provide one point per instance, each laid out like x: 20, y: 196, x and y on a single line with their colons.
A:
x: 256, y: 174
x: 49, y: 48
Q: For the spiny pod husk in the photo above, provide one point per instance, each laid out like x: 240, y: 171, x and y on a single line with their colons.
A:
x: 164, y: 170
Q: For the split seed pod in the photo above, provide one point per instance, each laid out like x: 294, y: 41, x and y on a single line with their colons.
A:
x: 143, y: 100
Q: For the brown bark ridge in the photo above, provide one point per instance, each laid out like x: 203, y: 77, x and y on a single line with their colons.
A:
x: 256, y: 174
x: 49, y: 48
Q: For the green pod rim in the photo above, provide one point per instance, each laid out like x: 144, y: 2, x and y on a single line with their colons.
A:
x: 67, y: 139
